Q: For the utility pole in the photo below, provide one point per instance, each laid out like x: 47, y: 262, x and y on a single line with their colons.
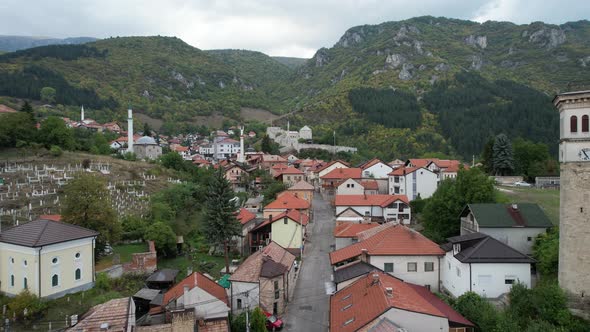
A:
x: 247, y: 311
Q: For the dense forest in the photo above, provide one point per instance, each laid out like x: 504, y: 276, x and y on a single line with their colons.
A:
x: 394, y: 109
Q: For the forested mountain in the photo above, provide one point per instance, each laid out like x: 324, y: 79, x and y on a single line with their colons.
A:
x: 290, y: 61
x: 415, y: 87
x: 15, y: 43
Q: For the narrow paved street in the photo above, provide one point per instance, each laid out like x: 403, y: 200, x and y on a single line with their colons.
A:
x: 309, y: 309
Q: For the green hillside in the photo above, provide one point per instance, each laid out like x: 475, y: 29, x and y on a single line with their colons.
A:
x: 422, y: 86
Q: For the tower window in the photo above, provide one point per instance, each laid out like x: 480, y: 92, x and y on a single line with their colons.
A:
x: 584, y: 123
x: 574, y: 124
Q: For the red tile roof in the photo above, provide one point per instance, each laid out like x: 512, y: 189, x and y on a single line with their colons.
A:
x: 366, y: 299
x: 350, y: 229
x: 250, y: 269
x: 343, y: 173
x: 114, y: 312
x: 421, y: 162
x: 54, y: 217
x: 368, y: 200
x: 6, y: 109
x: 393, y: 240
x: 272, y: 157
x: 370, y: 163
x: 244, y: 216
x: 444, y: 308
x: 288, y: 201
x: 400, y: 171
x: 193, y: 280
x: 180, y: 148
x: 370, y: 185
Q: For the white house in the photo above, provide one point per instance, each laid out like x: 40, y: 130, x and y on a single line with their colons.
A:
x: 327, y: 168
x: 350, y: 187
x: 398, y: 250
x: 305, y: 133
x: 346, y: 233
x: 394, y: 208
x: 376, y: 169
x: 445, y: 169
x: 412, y: 182
x: 516, y: 225
x: 479, y: 263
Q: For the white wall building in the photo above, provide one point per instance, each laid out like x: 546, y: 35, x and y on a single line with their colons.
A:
x: 412, y: 182
x: 481, y: 264
x: 387, y: 207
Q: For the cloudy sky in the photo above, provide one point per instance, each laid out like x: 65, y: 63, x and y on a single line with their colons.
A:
x: 276, y: 27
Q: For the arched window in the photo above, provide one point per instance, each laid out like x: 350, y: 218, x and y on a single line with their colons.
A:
x: 25, y: 284
x: 78, y: 274
x: 574, y: 124
x: 584, y: 123
x: 12, y: 280
x: 54, y: 280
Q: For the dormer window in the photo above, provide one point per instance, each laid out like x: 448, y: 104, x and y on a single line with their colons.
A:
x: 456, y: 248
x: 574, y: 124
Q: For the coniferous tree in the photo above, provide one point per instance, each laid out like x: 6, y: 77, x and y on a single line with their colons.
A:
x: 266, y: 146
x: 258, y: 321
x: 487, y: 156
x: 502, y: 156
x: 220, y: 220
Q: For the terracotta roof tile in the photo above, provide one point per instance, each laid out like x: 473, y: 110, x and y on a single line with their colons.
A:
x: 244, y: 216
x: 324, y: 166
x: 343, y: 173
x: 250, y: 269
x: 370, y: 163
x: 370, y: 185
x: 288, y: 201
x: 113, y: 312
x: 291, y: 214
x: 6, y: 109
x: 368, y: 200
x: 391, y: 240
x: 193, y: 280
x: 289, y: 170
x: 350, y: 229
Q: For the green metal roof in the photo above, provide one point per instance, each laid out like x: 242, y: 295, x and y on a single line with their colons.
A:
x: 224, y: 281
x: 504, y: 215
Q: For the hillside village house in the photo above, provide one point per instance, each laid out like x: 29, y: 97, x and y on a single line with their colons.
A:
x: 380, y: 302
x: 49, y: 258
x: 199, y: 294
x: 233, y: 174
x: 303, y: 190
x: 398, y: 250
x: 479, y: 263
x: 248, y: 221
x: 379, y: 208
x: 287, y: 229
x: 285, y: 201
x: 269, y: 160
x: 290, y: 176
x: 117, y: 314
x: 516, y: 225
x: 445, y: 169
x: 264, y: 279
x: 354, y: 187
x: 323, y: 169
x: 378, y: 171
x: 331, y: 181
x: 412, y: 182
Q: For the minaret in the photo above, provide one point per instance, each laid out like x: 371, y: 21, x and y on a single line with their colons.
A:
x: 574, y: 199
x: 287, y: 126
x: 82, y: 114
x: 129, y: 130
x: 241, y: 154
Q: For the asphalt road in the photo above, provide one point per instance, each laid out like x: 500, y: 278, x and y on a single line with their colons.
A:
x: 309, y: 309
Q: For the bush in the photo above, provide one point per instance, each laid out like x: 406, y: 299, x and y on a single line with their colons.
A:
x: 103, y: 282
x: 478, y: 311
x: 129, y: 156
x: 163, y: 236
x: 28, y: 301
x: 133, y: 228
x: 55, y: 151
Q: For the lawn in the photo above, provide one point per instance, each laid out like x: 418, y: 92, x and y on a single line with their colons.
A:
x: 201, y: 262
x: 548, y: 199
x: 123, y: 251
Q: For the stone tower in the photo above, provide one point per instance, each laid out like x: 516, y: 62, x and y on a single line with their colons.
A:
x: 574, y: 212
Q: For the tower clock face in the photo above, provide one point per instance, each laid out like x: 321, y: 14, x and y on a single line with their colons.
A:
x: 584, y: 154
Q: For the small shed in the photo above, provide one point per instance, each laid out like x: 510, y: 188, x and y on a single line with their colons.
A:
x: 162, y: 279
x: 142, y: 300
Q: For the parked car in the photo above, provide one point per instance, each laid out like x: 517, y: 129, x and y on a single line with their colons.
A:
x: 522, y: 184
x: 273, y: 323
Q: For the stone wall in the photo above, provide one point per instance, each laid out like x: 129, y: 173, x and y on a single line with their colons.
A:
x: 144, y: 262
x: 574, y: 235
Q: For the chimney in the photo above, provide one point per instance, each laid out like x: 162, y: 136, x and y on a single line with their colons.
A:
x: 364, y: 256
x: 104, y: 326
x: 389, y: 291
x: 375, y: 279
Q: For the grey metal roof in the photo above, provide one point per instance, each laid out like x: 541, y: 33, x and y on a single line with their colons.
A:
x: 352, y: 271
x: 40, y: 233
x: 163, y: 275
x: 147, y: 294
x: 490, y: 250
x: 146, y: 140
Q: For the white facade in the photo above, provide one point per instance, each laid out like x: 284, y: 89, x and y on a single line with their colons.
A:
x: 206, y: 305
x: 519, y: 238
x: 221, y: 148
x: 421, y: 182
x: 417, y: 322
x: 243, y: 295
x: 377, y: 171
x: 403, y: 271
x: 489, y: 280
x: 391, y: 212
x: 350, y: 187
x: 305, y: 133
